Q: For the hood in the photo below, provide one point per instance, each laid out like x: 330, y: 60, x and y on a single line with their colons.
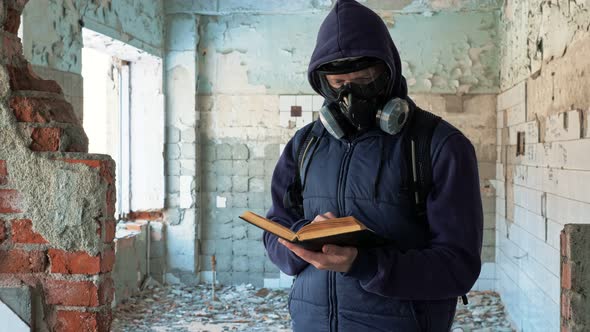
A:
x: 353, y: 30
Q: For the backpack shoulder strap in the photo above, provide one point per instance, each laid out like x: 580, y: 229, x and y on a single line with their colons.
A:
x: 417, y: 142
x: 307, y: 149
x: 303, y: 146
x: 293, y: 198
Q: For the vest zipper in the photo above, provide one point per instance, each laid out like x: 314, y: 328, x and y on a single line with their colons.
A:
x: 342, y: 178
x: 334, y: 303
x: 333, y: 300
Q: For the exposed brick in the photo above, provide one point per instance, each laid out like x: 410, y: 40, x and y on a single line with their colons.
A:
x: 11, y: 49
x: 79, y: 262
x: 3, y: 233
x: 106, y: 167
x: 20, y: 261
x: 132, y: 226
x: 3, y: 173
x: 74, y: 139
x: 145, y: 215
x: 71, y: 293
x: 565, y: 243
x: 9, y: 201
x: 110, y: 228
x: 105, y: 319
x: 111, y: 200
x: 107, y: 260
x: 12, y: 21
x: 76, y: 321
x: 22, y: 232
x: 45, y: 139
x: 107, y: 171
x: 106, y: 291
x: 42, y: 110
x: 566, y: 275
x: 23, y: 78
x: 88, y: 162
x: 566, y: 307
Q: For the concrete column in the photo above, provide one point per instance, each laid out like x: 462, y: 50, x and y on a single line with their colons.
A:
x: 182, y: 148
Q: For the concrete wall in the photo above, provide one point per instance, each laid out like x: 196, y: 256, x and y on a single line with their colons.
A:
x: 544, y: 184
x: 458, y: 56
x: 129, y: 30
x: 52, y: 31
x: 251, y: 63
x: 131, y: 265
x: 52, y: 35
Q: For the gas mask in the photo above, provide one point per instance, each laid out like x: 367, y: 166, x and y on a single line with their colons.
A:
x: 356, y: 99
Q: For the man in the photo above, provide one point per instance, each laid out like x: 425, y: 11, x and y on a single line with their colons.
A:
x: 359, y: 165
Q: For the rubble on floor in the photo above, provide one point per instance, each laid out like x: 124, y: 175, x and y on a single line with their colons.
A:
x: 176, y: 308
x: 484, y: 313
x: 249, y: 309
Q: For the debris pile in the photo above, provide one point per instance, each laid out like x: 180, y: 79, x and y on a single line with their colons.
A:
x: 250, y: 309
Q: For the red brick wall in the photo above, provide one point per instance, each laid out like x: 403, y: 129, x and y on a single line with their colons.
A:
x: 76, y: 287
x: 76, y: 280
x: 575, y: 278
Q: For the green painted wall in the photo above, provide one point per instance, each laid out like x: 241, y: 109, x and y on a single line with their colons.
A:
x: 443, y: 52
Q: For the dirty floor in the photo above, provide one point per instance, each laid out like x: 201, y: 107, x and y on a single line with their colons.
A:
x: 249, y: 309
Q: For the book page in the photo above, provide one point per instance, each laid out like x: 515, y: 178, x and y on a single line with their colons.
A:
x: 330, y: 227
x: 269, y: 225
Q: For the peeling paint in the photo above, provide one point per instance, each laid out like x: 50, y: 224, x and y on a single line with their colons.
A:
x: 52, y: 28
x: 537, y: 32
x: 449, y: 58
x: 438, y: 57
x: 229, y: 7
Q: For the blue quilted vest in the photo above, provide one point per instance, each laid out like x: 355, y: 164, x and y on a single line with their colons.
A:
x: 364, y: 178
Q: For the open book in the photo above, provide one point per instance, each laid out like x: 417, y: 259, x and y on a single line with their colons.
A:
x: 346, y: 231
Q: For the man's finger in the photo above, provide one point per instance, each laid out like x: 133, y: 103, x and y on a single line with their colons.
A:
x: 319, y: 217
x: 329, y: 215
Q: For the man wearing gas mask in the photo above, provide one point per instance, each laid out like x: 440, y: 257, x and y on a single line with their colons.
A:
x: 405, y: 173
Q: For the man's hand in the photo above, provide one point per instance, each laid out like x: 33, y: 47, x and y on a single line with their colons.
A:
x: 332, y: 257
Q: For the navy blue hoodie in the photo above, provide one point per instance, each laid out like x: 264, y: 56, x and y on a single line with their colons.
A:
x: 450, y: 263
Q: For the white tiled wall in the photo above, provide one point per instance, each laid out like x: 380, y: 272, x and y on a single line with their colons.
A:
x: 550, y: 188
x: 284, y: 281
x: 310, y: 106
x: 487, y: 278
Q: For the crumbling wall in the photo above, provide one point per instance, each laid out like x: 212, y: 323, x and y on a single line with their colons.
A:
x: 458, y: 56
x: 52, y: 35
x: 543, y: 165
x: 252, y: 61
x: 56, y: 201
